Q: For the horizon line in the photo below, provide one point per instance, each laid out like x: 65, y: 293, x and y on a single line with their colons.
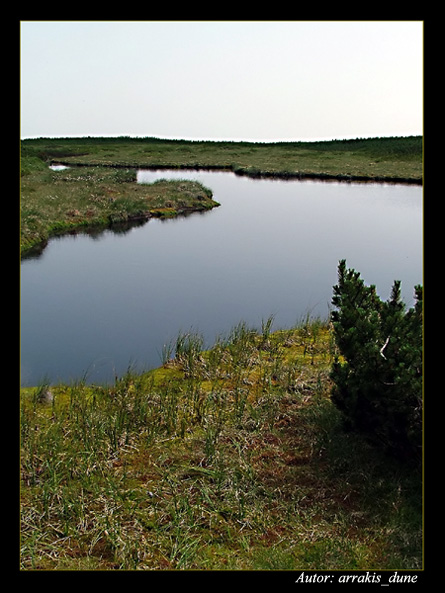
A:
x: 196, y: 139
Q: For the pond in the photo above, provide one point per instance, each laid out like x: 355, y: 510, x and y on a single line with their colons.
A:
x: 94, y: 305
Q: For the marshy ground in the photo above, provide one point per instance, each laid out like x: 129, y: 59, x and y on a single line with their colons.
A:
x: 234, y: 458
x: 229, y: 459
x: 100, y: 187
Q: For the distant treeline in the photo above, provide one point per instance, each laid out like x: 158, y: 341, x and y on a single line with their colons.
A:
x: 385, y: 145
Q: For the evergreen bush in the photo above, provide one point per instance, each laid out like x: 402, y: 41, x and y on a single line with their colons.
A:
x: 378, y: 373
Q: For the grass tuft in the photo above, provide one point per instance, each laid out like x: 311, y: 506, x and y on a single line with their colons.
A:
x: 232, y: 458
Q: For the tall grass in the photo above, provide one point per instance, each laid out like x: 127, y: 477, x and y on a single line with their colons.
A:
x: 231, y: 458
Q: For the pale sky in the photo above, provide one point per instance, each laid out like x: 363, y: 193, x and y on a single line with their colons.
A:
x: 222, y: 80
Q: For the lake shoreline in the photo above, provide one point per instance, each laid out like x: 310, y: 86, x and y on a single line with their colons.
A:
x: 37, y: 249
x: 253, y: 172
x: 221, y: 445
x: 258, y: 254
x: 384, y: 160
x: 56, y: 203
x: 224, y: 457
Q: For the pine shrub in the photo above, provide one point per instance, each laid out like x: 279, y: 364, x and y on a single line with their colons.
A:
x: 377, y: 375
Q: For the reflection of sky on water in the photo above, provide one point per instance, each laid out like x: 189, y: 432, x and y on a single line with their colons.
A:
x: 272, y: 247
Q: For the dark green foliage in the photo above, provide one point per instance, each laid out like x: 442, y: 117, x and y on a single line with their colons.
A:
x: 378, y: 376
x: 407, y: 146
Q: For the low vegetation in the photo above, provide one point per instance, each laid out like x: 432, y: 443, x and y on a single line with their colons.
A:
x: 55, y: 202
x: 392, y: 158
x: 229, y: 459
x: 100, y: 187
x: 251, y: 455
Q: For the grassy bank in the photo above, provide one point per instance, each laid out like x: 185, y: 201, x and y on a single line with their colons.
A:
x: 54, y: 202
x: 100, y: 186
x: 234, y: 458
x: 393, y: 158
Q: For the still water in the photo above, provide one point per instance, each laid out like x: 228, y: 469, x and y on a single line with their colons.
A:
x: 93, y: 305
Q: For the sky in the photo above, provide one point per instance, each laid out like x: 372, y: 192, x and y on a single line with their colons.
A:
x: 222, y: 80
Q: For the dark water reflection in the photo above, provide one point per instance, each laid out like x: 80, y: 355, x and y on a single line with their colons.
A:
x: 94, y: 304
